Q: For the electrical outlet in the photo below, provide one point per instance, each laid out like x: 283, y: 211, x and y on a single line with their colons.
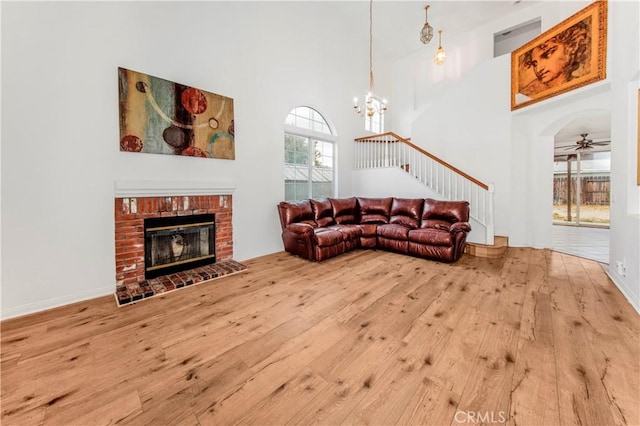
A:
x: 621, y: 268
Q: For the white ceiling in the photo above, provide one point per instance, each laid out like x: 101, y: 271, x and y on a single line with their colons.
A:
x: 397, y: 23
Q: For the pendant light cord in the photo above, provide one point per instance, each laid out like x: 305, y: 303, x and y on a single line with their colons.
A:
x: 371, y: 47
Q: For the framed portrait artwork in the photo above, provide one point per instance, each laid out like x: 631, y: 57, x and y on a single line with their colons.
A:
x: 572, y: 54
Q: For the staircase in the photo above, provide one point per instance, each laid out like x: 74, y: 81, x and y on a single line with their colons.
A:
x: 389, y: 150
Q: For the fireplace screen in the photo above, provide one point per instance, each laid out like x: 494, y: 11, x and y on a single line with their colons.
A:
x: 177, y: 243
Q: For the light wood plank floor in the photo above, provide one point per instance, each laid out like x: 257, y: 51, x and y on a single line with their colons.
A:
x: 370, y: 337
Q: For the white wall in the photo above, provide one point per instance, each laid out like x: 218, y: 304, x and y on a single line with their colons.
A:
x: 60, y: 133
x: 460, y: 112
x: 624, y: 71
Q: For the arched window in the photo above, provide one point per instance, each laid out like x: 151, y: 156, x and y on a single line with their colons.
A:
x: 309, y: 152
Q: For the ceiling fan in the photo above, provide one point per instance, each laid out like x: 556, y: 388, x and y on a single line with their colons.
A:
x: 585, y: 143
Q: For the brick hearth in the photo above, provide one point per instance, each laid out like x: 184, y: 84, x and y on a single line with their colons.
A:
x: 130, y: 213
x: 131, y: 293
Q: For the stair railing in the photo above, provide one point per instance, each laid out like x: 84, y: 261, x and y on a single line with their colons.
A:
x: 389, y: 150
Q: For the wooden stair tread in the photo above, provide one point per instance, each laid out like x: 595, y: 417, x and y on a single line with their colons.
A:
x: 497, y: 250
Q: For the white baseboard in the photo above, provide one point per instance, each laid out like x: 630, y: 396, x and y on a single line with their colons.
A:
x: 631, y: 298
x: 56, y: 302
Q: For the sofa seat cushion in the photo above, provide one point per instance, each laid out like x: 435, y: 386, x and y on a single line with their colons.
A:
x: 327, y: 237
x: 393, y: 232
x: 349, y: 232
x: 368, y: 230
x: 430, y: 236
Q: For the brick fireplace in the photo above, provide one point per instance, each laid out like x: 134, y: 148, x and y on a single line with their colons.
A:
x: 129, y: 231
x: 130, y: 214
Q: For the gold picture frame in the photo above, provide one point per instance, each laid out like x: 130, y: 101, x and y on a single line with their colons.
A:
x: 572, y: 54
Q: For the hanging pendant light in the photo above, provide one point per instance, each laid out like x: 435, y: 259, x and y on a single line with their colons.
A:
x: 440, y: 56
x: 427, y: 30
x: 370, y: 107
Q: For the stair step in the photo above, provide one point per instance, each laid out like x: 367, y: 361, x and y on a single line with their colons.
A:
x: 495, y: 251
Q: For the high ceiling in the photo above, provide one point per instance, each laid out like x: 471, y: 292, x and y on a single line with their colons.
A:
x: 397, y: 23
x: 396, y: 33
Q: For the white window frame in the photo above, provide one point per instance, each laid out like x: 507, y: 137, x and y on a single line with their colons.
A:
x: 318, y: 136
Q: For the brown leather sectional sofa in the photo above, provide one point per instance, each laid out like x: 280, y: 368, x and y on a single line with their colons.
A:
x: 324, y: 228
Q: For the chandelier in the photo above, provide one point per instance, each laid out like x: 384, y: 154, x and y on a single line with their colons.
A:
x: 427, y: 31
x: 371, y: 105
x: 440, y: 55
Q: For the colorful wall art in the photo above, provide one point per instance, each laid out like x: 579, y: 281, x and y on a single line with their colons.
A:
x: 161, y: 117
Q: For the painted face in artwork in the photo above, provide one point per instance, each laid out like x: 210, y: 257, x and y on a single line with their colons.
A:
x: 549, y: 62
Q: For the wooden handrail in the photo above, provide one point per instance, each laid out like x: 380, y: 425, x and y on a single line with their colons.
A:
x: 377, y: 138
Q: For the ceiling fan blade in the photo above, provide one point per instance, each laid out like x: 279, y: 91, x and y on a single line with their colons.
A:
x: 600, y: 143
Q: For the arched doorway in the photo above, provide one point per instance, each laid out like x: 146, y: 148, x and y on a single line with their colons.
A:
x: 581, y: 187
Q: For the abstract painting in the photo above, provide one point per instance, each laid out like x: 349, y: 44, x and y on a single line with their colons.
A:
x: 162, y: 117
x: 570, y: 55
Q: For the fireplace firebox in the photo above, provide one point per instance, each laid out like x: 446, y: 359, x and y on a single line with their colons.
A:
x: 178, y: 243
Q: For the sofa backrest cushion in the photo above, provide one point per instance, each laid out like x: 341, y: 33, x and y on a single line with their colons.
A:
x: 345, y: 210
x: 374, y: 210
x: 436, y: 212
x: 322, y: 212
x: 406, y: 212
x: 296, y: 212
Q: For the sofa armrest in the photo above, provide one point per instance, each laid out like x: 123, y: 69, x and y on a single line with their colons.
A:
x: 460, y: 227
x: 298, y: 240
x: 300, y: 228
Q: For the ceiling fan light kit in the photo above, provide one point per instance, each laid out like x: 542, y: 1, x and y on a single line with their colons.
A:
x: 585, y: 143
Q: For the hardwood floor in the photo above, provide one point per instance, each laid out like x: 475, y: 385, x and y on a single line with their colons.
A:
x: 370, y: 337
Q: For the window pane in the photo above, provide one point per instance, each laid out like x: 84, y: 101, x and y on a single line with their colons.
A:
x: 375, y: 123
x: 290, y: 120
x: 308, y: 118
x: 296, y: 149
x: 308, y: 167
